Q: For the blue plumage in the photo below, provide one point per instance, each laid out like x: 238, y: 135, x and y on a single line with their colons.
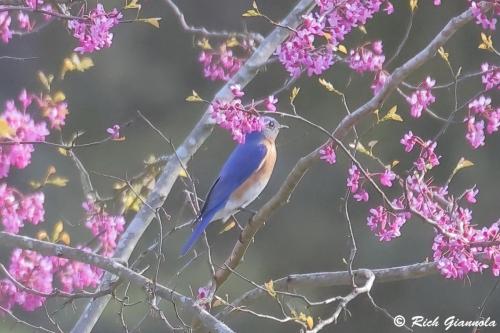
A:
x: 241, y: 164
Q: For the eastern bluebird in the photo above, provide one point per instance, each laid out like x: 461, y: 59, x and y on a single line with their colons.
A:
x: 242, y: 178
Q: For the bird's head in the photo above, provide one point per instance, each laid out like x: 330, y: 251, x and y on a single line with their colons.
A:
x: 271, y: 128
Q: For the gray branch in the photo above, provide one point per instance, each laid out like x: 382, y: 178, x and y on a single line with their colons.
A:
x: 117, y: 270
x: 332, y: 279
x: 185, y: 151
x: 348, y: 122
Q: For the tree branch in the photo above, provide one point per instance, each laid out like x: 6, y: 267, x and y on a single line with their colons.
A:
x: 188, y: 305
x: 185, y: 151
x: 332, y: 279
x: 344, y: 127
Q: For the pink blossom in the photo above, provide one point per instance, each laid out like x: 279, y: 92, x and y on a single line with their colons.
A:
x: 386, y: 225
x: 361, y: 195
x: 328, y: 154
x: 312, y: 47
x: 16, y: 208
x: 270, y: 103
x: 236, y: 90
x: 76, y: 276
x: 93, y: 34
x: 114, y: 131
x: 491, y: 76
x: 236, y: 118
x: 33, y: 271
x: 24, y: 21
x: 408, y: 141
x: 222, y: 63
x: 379, y: 81
x: 353, y: 178
x: 106, y: 227
x: 5, y: 32
x: 481, y: 18
x: 24, y: 129
x: 481, y: 110
x: 421, y: 98
x: 367, y: 58
x: 387, y: 177
x: 475, y: 132
x: 470, y: 195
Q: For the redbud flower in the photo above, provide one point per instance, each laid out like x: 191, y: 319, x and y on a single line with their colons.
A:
x: 222, y: 63
x: 16, y: 208
x: 491, y: 76
x: 328, y: 154
x: 361, y: 195
x: 470, y: 195
x: 387, y: 177
x: 386, y: 225
x: 480, y: 110
x: 481, y: 18
x: 94, y: 34
x: 35, y: 272
x: 421, y: 98
x: 23, y: 128
x: 236, y: 90
x: 74, y: 275
x: 367, y: 58
x: 236, y: 118
x: 270, y: 103
x: 114, y: 131
x: 5, y: 32
x: 409, y: 141
x: 379, y: 81
x: 353, y: 178
x: 106, y: 227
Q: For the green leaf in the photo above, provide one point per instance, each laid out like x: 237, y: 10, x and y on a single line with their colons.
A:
x: 392, y: 115
x: 194, y: 97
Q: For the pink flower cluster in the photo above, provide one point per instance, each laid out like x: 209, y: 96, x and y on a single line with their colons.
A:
x: 459, y: 248
x: 24, y: 23
x: 482, y: 19
x: 106, y: 227
x: 328, y: 154
x: 238, y: 118
x: 17, y: 208
x: 33, y: 271
x: 367, y: 58
x: 222, y: 63
x: 481, y: 110
x: 74, y: 275
x: 37, y: 272
x: 491, y: 76
x: 458, y: 256
x: 421, y: 98
x: 354, y: 185
x: 24, y: 129
x: 427, y: 158
x: 304, y: 50
x: 92, y: 31
x: 387, y: 224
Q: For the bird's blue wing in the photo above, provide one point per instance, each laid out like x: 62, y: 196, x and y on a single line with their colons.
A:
x: 241, y: 164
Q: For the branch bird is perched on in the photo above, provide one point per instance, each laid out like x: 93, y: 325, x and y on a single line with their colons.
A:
x: 242, y: 178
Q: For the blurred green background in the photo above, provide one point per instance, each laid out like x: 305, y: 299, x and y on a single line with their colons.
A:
x: 153, y: 70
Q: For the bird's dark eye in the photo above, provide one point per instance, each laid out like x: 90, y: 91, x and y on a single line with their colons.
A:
x: 271, y: 124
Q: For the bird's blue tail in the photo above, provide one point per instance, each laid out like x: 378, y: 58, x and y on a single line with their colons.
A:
x: 203, y: 222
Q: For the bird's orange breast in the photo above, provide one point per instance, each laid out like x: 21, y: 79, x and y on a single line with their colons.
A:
x: 258, y: 180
